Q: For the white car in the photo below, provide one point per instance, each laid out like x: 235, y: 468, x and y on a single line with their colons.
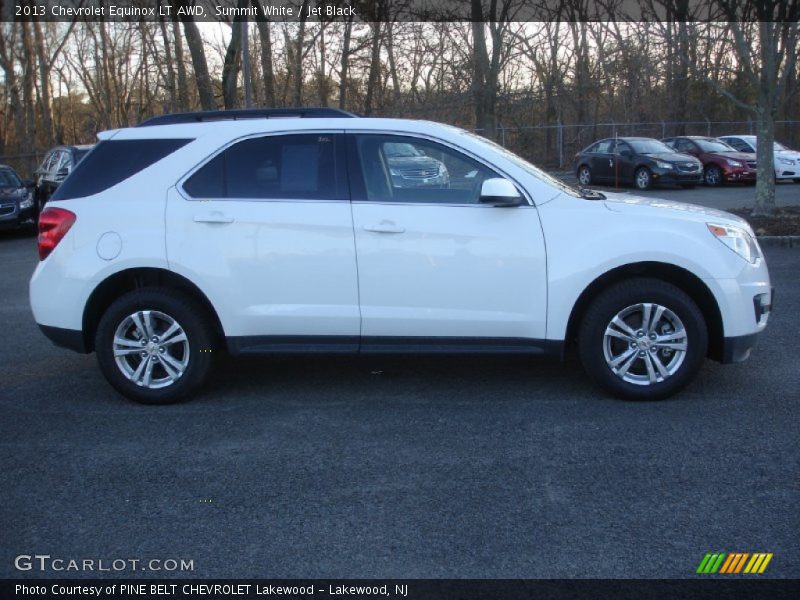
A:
x: 196, y: 233
x: 787, y: 162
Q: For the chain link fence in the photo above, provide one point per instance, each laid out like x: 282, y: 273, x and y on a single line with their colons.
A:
x: 24, y: 164
x: 554, y: 146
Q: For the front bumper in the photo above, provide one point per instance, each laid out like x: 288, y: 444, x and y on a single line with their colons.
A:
x: 738, y: 175
x: 677, y: 176
x: 11, y: 217
x: 737, y: 349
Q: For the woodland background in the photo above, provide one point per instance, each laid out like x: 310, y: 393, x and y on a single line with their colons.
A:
x: 544, y: 89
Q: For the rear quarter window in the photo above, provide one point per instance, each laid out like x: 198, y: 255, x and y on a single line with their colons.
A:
x: 113, y: 161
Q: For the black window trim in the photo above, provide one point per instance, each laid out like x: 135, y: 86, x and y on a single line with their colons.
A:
x: 341, y: 166
x: 354, y: 170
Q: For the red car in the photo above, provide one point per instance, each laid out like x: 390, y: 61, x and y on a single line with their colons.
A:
x: 721, y: 162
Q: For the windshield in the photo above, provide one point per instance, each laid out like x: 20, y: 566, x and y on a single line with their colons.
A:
x: 396, y: 149
x: 9, y: 179
x: 524, y: 164
x: 649, y: 146
x: 714, y: 146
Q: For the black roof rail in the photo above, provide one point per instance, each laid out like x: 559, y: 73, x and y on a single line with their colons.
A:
x: 246, y: 113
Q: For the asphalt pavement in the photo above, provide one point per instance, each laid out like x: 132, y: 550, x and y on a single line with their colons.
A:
x: 479, y: 467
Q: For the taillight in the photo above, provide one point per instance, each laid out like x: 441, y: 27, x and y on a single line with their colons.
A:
x: 54, y: 223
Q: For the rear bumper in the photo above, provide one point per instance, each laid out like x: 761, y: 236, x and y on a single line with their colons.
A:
x: 65, y: 338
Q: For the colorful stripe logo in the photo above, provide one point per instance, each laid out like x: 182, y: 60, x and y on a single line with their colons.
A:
x: 734, y: 562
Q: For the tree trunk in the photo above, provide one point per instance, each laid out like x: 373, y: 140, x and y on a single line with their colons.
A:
x: 195, y: 43
x: 765, y: 170
x: 374, y: 67
x: 169, y: 66
x: 392, y: 63
x: 28, y: 76
x: 44, y: 85
x: 345, y: 64
x: 297, y: 68
x: 265, y: 39
x: 483, y: 96
x: 230, y: 67
x: 183, y: 84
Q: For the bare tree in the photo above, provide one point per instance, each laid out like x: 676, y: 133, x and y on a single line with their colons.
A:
x: 767, y: 58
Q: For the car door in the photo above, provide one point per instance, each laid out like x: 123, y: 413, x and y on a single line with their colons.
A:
x: 436, y: 268
x: 264, y: 228
x: 623, y: 161
x: 603, y: 161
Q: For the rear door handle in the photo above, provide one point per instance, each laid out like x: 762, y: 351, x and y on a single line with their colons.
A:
x: 385, y: 227
x: 214, y: 217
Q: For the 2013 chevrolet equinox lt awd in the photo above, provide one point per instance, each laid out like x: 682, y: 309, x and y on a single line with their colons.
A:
x: 201, y: 231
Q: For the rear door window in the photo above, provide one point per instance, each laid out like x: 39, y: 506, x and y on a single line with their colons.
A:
x: 113, y: 161
x: 282, y: 167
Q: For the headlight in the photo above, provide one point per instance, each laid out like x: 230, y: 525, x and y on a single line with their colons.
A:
x: 733, y: 163
x: 27, y: 202
x: 785, y: 161
x: 663, y: 165
x: 737, y: 239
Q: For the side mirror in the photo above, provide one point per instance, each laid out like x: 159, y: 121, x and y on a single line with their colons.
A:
x: 626, y: 153
x: 500, y: 192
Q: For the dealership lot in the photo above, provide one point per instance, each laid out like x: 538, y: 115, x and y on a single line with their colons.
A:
x: 400, y: 467
x: 787, y: 193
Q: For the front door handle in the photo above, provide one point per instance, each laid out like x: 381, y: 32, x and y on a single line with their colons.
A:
x: 385, y: 227
x: 214, y: 217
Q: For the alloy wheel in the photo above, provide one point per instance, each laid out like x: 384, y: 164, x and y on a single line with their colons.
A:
x: 645, y: 344
x: 151, y: 349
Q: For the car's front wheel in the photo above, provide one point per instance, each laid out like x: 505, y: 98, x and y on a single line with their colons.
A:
x: 642, y: 179
x: 713, y: 176
x: 155, y: 345
x: 643, y: 339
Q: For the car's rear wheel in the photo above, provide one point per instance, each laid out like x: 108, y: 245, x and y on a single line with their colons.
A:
x: 713, y: 176
x: 584, y: 175
x: 642, y: 179
x: 643, y: 339
x: 155, y: 345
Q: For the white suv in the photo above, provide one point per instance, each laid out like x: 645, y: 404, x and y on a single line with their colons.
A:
x: 237, y: 230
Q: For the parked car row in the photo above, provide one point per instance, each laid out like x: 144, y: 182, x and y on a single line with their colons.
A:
x: 21, y: 200
x: 682, y: 160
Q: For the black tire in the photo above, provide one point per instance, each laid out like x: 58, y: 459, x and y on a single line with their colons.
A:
x: 200, y: 338
x: 615, y: 300
x: 712, y: 176
x: 642, y: 179
x: 796, y: 179
x: 584, y: 175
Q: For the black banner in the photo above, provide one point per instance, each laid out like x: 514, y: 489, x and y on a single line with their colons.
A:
x: 729, y: 588
x: 400, y: 10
